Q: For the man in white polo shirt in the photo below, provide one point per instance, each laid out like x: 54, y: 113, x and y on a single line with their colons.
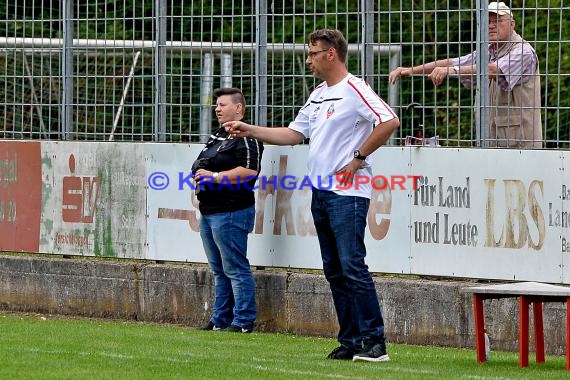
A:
x: 346, y: 121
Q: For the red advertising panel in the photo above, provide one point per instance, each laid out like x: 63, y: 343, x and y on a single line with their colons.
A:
x: 20, y: 195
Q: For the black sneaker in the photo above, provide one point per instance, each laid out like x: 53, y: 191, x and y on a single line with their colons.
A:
x: 234, y: 328
x: 210, y: 326
x: 341, y: 353
x: 374, y: 352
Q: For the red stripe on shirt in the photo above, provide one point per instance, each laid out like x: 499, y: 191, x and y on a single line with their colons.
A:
x: 368, y: 104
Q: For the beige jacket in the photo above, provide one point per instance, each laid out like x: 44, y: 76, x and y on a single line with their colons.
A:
x: 514, y: 117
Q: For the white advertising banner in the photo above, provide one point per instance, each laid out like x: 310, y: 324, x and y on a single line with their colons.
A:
x: 486, y: 214
x: 284, y: 234
x: 93, y: 199
x: 558, y: 216
x: 172, y: 207
x: 476, y: 213
x: 388, y: 233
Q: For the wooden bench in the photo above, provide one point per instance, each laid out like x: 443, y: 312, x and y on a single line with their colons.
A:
x: 528, y: 293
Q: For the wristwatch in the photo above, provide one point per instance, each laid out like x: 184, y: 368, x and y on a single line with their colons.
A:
x: 359, y: 155
x: 215, y: 175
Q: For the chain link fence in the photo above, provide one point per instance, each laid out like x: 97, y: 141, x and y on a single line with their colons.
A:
x: 146, y: 70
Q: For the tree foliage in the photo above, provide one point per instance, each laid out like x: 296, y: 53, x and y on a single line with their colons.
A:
x: 425, y: 30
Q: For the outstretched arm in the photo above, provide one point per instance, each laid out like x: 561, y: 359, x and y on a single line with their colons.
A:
x: 441, y: 66
x: 277, y: 136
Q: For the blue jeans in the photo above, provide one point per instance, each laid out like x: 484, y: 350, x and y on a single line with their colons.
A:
x: 340, y: 222
x: 224, y: 236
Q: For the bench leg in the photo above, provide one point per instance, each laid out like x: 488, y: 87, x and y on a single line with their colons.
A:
x: 538, y: 331
x: 479, y: 327
x: 523, y: 331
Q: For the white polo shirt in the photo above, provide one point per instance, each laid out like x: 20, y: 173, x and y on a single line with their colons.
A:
x: 338, y: 120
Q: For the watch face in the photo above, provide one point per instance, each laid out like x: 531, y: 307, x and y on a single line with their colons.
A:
x: 359, y: 155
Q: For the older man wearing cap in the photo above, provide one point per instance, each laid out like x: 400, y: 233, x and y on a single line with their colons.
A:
x: 514, y: 81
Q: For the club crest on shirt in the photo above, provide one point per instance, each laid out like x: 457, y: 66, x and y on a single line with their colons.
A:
x: 330, y: 111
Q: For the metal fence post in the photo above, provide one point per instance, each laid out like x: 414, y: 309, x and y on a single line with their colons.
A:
x: 66, y: 118
x: 206, y: 93
x: 261, y: 63
x: 482, y: 93
x: 159, y: 129
x: 226, y: 70
x: 367, y: 52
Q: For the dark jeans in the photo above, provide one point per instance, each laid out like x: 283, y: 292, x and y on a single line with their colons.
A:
x: 224, y: 236
x: 340, y: 222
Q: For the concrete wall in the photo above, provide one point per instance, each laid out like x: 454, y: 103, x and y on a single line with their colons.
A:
x: 416, y: 311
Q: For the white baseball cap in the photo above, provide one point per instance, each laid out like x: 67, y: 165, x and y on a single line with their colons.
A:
x: 500, y: 8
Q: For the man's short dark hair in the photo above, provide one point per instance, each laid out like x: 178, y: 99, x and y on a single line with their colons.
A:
x: 235, y: 93
x: 332, y: 38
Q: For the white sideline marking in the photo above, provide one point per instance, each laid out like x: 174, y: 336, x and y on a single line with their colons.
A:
x: 107, y: 355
